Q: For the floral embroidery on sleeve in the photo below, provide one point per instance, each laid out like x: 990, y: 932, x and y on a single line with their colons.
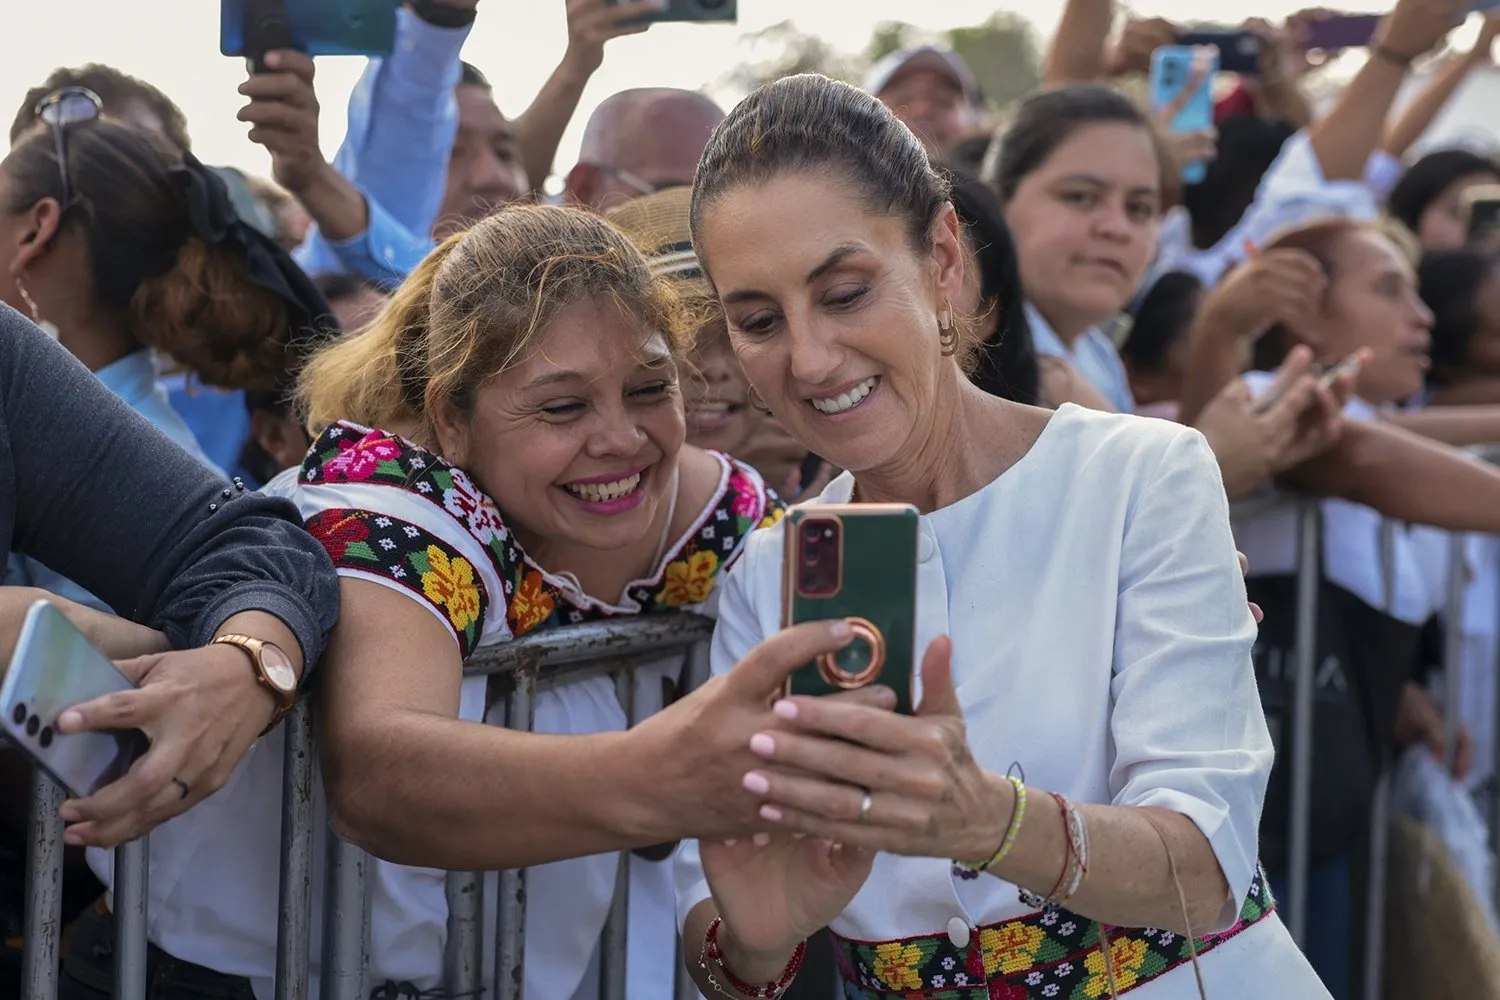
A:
x: 418, y: 561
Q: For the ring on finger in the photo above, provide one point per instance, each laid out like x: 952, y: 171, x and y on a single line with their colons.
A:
x: 864, y: 808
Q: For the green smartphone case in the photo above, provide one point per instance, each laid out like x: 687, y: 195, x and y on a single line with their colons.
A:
x: 876, y: 586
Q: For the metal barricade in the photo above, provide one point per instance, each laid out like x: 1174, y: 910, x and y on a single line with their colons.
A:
x: 1309, y: 538
x: 517, y: 670
x: 1304, y: 666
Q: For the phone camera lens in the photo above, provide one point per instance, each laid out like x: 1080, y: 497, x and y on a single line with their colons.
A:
x: 19, y: 715
x: 32, y: 725
x: 45, y: 739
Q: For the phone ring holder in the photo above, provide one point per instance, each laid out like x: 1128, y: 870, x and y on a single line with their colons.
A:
x: 858, y: 663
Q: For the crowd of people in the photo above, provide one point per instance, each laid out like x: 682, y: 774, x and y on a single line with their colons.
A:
x: 258, y: 434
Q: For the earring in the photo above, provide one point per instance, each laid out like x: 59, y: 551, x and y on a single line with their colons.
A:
x: 756, y: 401
x: 49, y: 329
x: 947, y: 331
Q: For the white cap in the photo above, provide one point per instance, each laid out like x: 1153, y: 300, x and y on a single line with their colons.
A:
x: 931, y: 57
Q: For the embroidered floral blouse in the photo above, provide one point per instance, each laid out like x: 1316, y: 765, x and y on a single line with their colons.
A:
x: 391, y: 512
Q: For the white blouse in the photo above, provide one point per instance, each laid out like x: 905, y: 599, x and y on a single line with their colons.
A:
x: 1102, y: 641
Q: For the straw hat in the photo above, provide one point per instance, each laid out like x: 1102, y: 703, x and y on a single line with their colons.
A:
x: 659, y: 224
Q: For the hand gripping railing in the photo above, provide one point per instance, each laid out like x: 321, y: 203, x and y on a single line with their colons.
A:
x: 517, y: 671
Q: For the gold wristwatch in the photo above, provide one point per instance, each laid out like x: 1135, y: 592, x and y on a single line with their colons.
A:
x: 273, y: 671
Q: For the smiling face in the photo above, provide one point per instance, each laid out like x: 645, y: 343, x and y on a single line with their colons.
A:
x: 577, y: 442
x: 716, y: 396
x: 1085, y: 223
x: 837, y: 329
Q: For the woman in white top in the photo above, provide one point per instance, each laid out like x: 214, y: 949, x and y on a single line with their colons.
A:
x: 500, y: 453
x: 1080, y: 178
x: 1080, y: 612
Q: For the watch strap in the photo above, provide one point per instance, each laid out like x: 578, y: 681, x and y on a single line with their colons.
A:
x: 253, y: 647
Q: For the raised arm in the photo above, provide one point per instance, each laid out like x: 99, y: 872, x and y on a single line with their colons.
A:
x: 1344, y: 138
x: 591, y: 23
x: 1419, y: 115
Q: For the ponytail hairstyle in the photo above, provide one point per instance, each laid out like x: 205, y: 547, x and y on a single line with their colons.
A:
x: 167, y: 254
x: 810, y: 123
x: 474, y: 308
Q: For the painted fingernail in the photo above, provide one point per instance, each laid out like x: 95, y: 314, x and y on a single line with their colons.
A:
x: 761, y: 839
x: 785, y: 709
x: 770, y: 814
x: 756, y: 782
x: 762, y: 744
x: 70, y: 720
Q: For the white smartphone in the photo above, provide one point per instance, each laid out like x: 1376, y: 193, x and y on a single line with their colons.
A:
x: 54, y: 668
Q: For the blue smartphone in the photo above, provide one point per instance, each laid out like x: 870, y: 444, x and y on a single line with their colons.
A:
x: 54, y: 668
x: 1172, y: 69
x: 250, y: 28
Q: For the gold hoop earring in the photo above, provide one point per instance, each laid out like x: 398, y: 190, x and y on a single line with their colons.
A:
x: 49, y: 329
x: 947, y: 330
x: 756, y: 401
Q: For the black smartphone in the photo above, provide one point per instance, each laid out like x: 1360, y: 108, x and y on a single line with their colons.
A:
x: 701, y: 11
x: 1345, y: 31
x: 251, y: 28
x: 1239, y: 51
x: 857, y: 562
x: 1482, y: 215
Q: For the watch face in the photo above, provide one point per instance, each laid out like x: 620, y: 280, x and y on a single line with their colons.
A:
x: 278, y: 668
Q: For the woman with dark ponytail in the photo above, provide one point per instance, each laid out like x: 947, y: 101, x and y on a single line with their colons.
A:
x: 128, y: 251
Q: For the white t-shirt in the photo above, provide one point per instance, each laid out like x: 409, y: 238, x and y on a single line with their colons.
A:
x: 1102, y: 641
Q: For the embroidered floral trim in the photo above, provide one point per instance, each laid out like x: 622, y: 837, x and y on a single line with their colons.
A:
x: 348, y: 453
x: 1049, y: 955
x: 422, y: 563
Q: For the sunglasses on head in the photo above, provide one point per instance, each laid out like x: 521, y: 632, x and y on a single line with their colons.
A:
x: 62, y: 108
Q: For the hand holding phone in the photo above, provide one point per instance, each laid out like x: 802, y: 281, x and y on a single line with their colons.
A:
x: 55, y: 668
x: 857, y: 562
x: 1182, y: 97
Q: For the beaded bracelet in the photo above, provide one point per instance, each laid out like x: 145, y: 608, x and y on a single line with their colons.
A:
x: 1078, y: 850
x: 1017, y: 817
x: 766, y: 991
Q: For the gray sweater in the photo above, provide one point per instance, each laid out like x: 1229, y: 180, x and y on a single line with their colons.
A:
x: 92, y: 490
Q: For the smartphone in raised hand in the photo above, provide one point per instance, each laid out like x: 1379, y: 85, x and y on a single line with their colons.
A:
x: 251, y: 28
x: 857, y: 562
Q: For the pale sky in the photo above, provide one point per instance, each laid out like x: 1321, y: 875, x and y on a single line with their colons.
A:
x: 174, y: 44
